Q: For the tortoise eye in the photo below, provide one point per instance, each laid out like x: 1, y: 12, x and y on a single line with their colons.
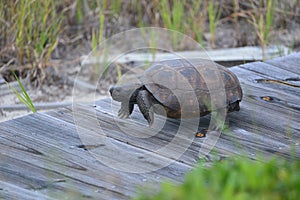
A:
x: 117, y: 90
x: 114, y: 90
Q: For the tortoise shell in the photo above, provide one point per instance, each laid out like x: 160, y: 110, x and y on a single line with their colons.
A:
x: 186, y: 88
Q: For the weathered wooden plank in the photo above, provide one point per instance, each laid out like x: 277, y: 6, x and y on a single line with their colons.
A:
x: 41, y: 180
x: 11, y: 191
x: 105, y: 109
x: 263, y: 117
x: 53, y: 165
x: 67, y: 164
x: 229, y: 118
x: 43, y: 156
x: 269, y: 70
x: 38, y: 106
x: 249, y: 53
x: 108, y: 124
x: 249, y: 78
x: 290, y: 63
x: 277, y: 120
x: 66, y: 158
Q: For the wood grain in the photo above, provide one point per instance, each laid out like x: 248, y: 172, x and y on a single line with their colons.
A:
x: 43, y: 156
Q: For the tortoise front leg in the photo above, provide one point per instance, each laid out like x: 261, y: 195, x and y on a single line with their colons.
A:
x: 125, y: 110
x: 145, y: 102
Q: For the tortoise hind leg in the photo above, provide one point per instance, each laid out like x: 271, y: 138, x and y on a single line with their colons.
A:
x: 218, y: 122
x: 145, y: 102
x: 235, y: 106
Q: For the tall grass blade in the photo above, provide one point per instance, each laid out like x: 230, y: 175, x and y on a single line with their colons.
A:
x: 22, y: 95
x: 214, y: 12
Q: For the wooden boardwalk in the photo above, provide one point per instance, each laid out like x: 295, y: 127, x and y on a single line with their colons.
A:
x: 42, y: 156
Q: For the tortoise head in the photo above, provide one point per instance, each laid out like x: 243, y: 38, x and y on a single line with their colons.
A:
x: 124, y: 92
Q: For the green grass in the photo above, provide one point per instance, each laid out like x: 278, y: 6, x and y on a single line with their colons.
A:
x: 36, y: 27
x: 21, y: 94
x: 172, y: 16
x: 235, y: 179
x: 196, y: 17
x: 30, y: 29
x: 214, y: 12
x: 97, y: 39
x: 263, y: 21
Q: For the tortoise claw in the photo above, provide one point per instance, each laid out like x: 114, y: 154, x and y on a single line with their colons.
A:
x: 150, y: 120
x: 201, y: 133
x: 123, y: 114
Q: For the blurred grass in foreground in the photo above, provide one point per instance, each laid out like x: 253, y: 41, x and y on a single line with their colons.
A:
x: 235, y: 179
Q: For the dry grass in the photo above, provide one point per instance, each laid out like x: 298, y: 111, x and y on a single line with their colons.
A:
x: 30, y: 31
